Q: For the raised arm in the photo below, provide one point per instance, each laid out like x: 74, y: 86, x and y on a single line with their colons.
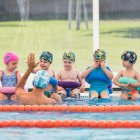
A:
x: 31, y: 65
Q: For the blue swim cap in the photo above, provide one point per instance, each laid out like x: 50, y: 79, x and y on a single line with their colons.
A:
x: 46, y: 55
x: 41, y: 79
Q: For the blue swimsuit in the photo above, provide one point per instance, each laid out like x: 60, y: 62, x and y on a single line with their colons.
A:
x: 99, y: 82
x: 9, y: 80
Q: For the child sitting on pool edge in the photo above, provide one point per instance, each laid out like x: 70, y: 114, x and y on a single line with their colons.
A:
x: 70, y: 82
x: 46, y: 59
x: 128, y: 76
x: 99, y: 76
x: 9, y: 77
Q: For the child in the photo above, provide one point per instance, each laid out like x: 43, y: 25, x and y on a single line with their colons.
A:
x: 70, y: 81
x: 46, y: 59
x: 41, y: 81
x: 128, y: 60
x: 10, y: 77
x: 99, y: 76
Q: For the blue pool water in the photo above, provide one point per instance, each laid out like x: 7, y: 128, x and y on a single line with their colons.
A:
x: 71, y: 133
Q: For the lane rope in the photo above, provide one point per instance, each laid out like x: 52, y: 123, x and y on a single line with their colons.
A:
x: 69, y: 124
x: 70, y: 108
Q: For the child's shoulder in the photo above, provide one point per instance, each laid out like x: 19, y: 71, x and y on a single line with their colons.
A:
x: 121, y: 72
x: 1, y: 72
x: 52, y: 70
x: 136, y: 72
x: 36, y: 70
x: 17, y: 72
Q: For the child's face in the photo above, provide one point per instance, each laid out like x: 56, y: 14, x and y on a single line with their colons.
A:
x: 12, y: 65
x: 98, y: 62
x: 44, y: 65
x: 67, y: 64
x: 126, y: 64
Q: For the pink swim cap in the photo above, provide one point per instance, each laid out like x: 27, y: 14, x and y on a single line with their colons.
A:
x: 10, y: 57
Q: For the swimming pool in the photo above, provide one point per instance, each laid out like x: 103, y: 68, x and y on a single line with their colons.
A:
x: 72, y: 133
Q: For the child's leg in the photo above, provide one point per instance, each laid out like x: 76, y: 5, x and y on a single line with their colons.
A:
x: 56, y: 97
x: 124, y: 96
x: 3, y: 96
x: 94, y: 94
x: 104, y: 94
x: 13, y: 97
x: 75, y: 93
x: 62, y: 92
x: 135, y: 96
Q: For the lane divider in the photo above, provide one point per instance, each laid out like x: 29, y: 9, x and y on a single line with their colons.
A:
x: 71, y: 108
x: 69, y: 124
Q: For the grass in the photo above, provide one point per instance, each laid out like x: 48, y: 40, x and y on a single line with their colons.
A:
x: 37, y: 36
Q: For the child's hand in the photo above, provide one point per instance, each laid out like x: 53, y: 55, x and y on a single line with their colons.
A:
x: 131, y: 86
x: 82, y: 89
x: 31, y: 61
x: 102, y: 63
x: 96, y: 64
x: 124, y: 85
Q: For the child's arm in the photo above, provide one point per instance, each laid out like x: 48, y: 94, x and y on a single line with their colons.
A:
x: 115, y: 81
x: 82, y: 87
x: 86, y: 72
x: 107, y: 72
x: 137, y: 84
x: 0, y: 75
x: 18, y: 76
x: 53, y: 73
x: 58, y: 75
x: 31, y: 66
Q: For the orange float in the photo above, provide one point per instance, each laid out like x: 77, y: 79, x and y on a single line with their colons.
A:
x: 101, y: 108
x: 64, y: 108
x: 93, y: 108
x: 101, y: 124
x: 57, y: 123
x: 34, y: 108
x: 48, y: 123
x: 49, y: 108
x: 92, y: 124
x: 27, y: 107
x: 20, y: 108
x: 85, y: 108
x: 71, y: 108
x: 56, y: 108
x: 83, y: 123
x: 75, y: 123
x: 70, y: 123
x: 78, y: 108
x: 5, y: 108
x: 66, y: 123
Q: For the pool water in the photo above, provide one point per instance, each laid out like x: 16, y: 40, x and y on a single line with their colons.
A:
x: 71, y: 133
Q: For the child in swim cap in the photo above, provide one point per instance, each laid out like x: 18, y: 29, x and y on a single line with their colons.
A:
x: 99, y: 76
x: 126, y: 75
x: 45, y: 61
x: 69, y: 76
x: 9, y: 77
x: 41, y: 79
